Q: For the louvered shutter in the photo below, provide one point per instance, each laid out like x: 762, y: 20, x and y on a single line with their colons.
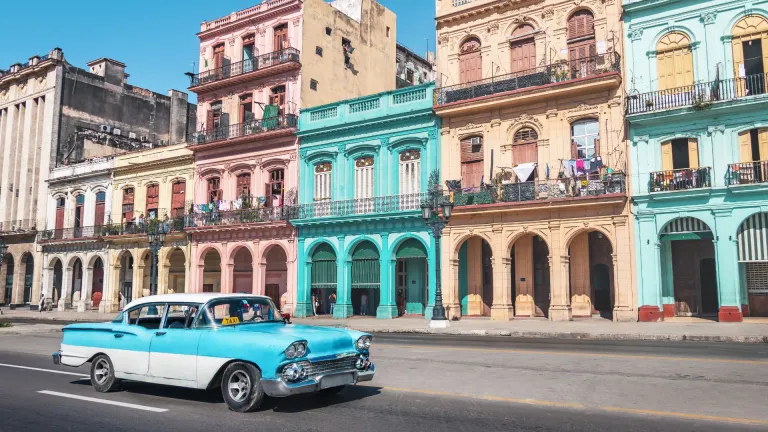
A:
x: 762, y: 139
x: 667, y: 164
x: 693, y: 153
x: 745, y: 147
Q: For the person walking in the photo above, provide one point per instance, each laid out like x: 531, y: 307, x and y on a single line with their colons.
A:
x: 364, y: 304
x: 314, y: 305
x: 332, y: 301
x: 41, y: 304
x: 400, y: 303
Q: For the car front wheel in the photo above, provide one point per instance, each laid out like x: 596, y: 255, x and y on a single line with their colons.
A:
x: 103, y: 375
x: 241, y: 387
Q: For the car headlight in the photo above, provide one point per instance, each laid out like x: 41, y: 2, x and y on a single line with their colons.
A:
x: 294, y: 372
x: 363, y: 343
x: 295, y: 350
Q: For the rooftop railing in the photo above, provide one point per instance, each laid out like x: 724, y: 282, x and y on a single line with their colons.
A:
x: 680, y: 179
x: 699, y: 96
x: 539, y: 76
x: 263, y: 61
x: 251, y: 127
x: 747, y: 173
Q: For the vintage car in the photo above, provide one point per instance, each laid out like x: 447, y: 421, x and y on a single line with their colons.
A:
x: 237, y: 342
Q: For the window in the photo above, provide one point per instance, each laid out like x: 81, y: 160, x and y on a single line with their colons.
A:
x: 319, y: 51
x: 244, y: 185
x: 409, y: 75
x: 79, y: 204
x: 246, y: 108
x: 274, y: 189
x: 523, y: 49
x: 214, y: 189
x: 218, y: 58
x: 581, y: 44
x: 278, y: 99
x: 60, y: 205
x: 387, y: 31
x: 238, y: 311
x: 585, y: 139
x: 471, y: 161
x: 674, y: 61
x: 323, y: 181
x: 750, y: 54
x: 470, y: 61
x: 181, y: 316
x: 313, y: 85
x: 150, y: 316
x: 524, y: 147
x: 249, y: 43
x: 101, y: 198
x: 364, y: 178
x: 680, y: 154
x: 127, y: 204
x: 178, y: 195
x: 410, y: 172
x: 281, y: 37
x: 214, y: 116
x: 153, y: 201
x: 328, y: 31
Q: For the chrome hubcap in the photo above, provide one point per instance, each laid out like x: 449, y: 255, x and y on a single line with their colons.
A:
x: 101, y: 371
x: 239, y: 386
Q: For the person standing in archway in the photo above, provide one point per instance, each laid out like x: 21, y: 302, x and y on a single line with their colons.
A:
x: 364, y: 304
x: 332, y: 301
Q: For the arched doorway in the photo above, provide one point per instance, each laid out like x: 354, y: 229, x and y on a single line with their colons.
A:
x: 29, y: 271
x: 276, y: 283
x: 125, y: 279
x: 323, y: 279
x: 97, y: 282
x: 581, y: 44
x: 752, y: 242
x: 9, y: 268
x: 591, y: 275
x: 242, y: 272
x: 411, y: 278
x: 689, y: 278
x: 366, y: 279
x: 750, y: 54
x: 76, y: 287
x: 58, y: 277
x: 212, y: 271
x: 530, y: 276
x: 177, y: 271
x: 475, y: 277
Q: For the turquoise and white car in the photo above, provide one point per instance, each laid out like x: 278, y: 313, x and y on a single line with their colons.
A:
x: 239, y: 343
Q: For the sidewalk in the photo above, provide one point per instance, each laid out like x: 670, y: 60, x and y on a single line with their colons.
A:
x: 753, y: 330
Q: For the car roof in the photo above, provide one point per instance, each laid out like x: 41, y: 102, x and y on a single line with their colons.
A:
x: 187, y: 298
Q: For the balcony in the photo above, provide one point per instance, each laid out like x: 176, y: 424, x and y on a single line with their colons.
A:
x: 698, y: 96
x: 222, y: 218
x: 70, y: 234
x: 680, y: 179
x: 18, y: 226
x: 235, y: 73
x: 386, y: 205
x: 237, y: 132
x: 542, y: 190
x: 747, y: 173
x: 100, y: 232
x: 540, y: 78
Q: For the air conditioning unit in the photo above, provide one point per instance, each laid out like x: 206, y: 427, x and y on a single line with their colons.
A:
x: 476, y: 141
x: 131, y: 135
x: 106, y: 128
x: 116, y: 131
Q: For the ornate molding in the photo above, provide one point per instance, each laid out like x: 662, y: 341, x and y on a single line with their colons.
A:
x: 552, y: 113
x: 711, y: 130
x: 583, y: 108
x: 443, y: 39
x: 616, y: 101
x: 548, y: 14
x: 708, y: 17
x: 469, y: 126
x: 493, y: 27
x: 432, y: 134
x: 635, y: 34
x: 525, y: 118
x: 296, y: 21
x: 640, y: 139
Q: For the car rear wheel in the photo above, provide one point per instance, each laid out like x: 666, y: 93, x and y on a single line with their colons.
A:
x: 103, y: 374
x: 332, y: 391
x: 241, y: 387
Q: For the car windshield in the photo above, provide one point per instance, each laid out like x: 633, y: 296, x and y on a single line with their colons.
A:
x: 236, y: 311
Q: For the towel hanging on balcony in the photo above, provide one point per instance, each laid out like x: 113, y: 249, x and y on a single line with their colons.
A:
x: 524, y: 170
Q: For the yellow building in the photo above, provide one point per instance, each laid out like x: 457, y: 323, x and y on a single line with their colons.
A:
x: 533, y: 152
x: 151, y: 188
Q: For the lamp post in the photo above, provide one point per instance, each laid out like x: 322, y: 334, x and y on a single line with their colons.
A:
x: 430, y: 211
x: 3, y: 251
x: 156, y: 236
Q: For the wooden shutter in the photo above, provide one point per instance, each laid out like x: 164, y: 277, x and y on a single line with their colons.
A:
x: 574, y: 150
x: 525, y: 153
x: 249, y: 39
x: 178, y: 198
x: 738, y: 63
x: 762, y: 140
x: 153, y: 197
x: 466, y: 151
x: 523, y: 55
x: 280, y: 38
x: 745, y: 147
x: 693, y: 153
x: 244, y: 185
x: 470, y: 61
x: 764, y: 42
x: 99, y: 214
x: 59, y: 218
x: 218, y: 56
x: 666, y: 156
x: 209, y: 119
x: 471, y: 174
x: 597, y: 146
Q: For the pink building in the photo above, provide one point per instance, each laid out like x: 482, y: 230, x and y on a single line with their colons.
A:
x: 254, y: 77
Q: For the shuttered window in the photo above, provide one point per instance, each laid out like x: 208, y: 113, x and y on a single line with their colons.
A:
x: 470, y: 61
x: 674, y: 61
x: 523, y: 49
x: 214, y: 190
x: 524, y: 146
x: 244, y: 185
x: 410, y: 179
x: 323, y: 181
x: 680, y: 154
x: 128, y: 204
x: 281, y: 37
x: 178, y: 196
x: 748, y: 29
x: 581, y: 24
x: 98, y: 217
x: 274, y: 189
x: 364, y: 178
x: 153, y: 199
x: 60, y: 205
x: 471, y: 161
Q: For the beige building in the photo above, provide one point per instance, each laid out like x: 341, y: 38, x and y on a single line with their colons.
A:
x: 534, y: 153
x: 150, y: 189
x: 29, y: 95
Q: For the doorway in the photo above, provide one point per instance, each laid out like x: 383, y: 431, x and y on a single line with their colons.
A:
x: 753, y: 66
x: 708, y: 278
x: 541, y: 288
x: 694, y: 277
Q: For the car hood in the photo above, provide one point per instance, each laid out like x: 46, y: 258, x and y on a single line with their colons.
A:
x: 320, y: 340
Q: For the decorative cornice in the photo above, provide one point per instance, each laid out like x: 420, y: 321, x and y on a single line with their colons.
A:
x: 180, y: 160
x: 635, y: 34
x: 640, y: 139
x: 709, y: 17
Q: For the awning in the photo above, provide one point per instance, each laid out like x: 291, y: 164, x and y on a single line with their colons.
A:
x: 753, y: 238
x: 411, y: 248
x: 687, y: 228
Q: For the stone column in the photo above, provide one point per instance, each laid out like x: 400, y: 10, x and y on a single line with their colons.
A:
x: 432, y: 261
x: 65, y: 301
x: 502, y: 299
x: 524, y: 267
x: 580, y: 284
x: 560, y: 304
x: 343, y: 308
x: 303, y: 283
x: 387, y: 304
x: 290, y: 279
x: 85, y: 289
x: 452, y: 303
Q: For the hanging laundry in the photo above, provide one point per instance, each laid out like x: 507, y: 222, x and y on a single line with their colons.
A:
x: 546, y: 171
x: 567, y: 167
x: 598, y: 162
x: 523, y: 171
x: 572, y: 166
x: 579, y: 167
x: 587, y: 165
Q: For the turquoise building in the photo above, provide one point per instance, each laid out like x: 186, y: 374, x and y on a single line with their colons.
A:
x: 697, y: 110
x: 363, y: 248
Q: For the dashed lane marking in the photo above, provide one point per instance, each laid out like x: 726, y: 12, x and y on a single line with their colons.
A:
x: 45, y: 370
x: 103, y: 401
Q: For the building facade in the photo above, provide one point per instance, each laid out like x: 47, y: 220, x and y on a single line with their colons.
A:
x: 414, y: 69
x: 29, y: 106
x: 259, y: 66
x: 363, y: 247
x: 699, y: 145
x: 534, y: 157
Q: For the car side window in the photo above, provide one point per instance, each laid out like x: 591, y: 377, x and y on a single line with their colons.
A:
x: 181, y: 316
x: 203, y: 318
x: 149, y: 316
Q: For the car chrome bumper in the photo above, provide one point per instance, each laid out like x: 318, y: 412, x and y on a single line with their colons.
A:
x: 57, y: 358
x: 281, y: 388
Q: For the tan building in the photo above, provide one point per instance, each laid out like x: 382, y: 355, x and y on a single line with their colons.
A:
x: 533, y: 151
x: 151, y: 188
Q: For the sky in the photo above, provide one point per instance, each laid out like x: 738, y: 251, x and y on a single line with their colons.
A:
x: 154, y: 38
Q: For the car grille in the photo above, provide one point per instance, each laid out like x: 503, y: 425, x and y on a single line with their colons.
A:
x: 331, y: 366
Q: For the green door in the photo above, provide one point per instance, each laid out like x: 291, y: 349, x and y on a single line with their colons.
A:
x: 323, y: 267
x: 365, y: 266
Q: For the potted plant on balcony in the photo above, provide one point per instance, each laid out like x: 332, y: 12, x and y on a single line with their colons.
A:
x: 701, y: 101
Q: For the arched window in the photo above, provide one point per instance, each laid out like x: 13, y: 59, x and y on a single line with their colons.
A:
x: 581, y: 44
x: 524, y: 146
x: 471, y: 161
x: 410, y: 172
x: 585, y: 139
x: 674, y: 61
x: 127, y: 204
x: 364, y: 177
x: 243, y: 185
x: 750, y: 54
x: 523, y: 49
x: 60, y: 207
x: 470, y: 61
x: 323, y: 181
x: 214, y: 189
x: 153, y: 201
x: 178, y: 196
x: 98, y: 212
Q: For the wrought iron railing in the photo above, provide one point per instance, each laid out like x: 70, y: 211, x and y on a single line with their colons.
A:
x: 246, y: 66
x: 747, y: 173
x: 171, y: 225
x: 548, y: 189
x: 360, y: 206
x: 217, y: 217
x: 251, y: 127
x: 680, y: 179
x: 539, y: 76
x: 699, y: 96
x: 74, y: 233
x: 22, y: 225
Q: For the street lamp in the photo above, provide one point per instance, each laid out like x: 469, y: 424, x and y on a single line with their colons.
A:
x: 430, y: 211
x: 156, y: 237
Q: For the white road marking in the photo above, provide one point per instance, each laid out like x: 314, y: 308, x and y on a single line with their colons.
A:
x: 103, y: 401
x: 45, y: 370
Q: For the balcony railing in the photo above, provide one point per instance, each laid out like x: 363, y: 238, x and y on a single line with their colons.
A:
x: 18, y: 226
x: 171, y: 225
x: 699, y: 96
x: 360, y: 206
x: 680, y: 179
x: 251, y: 127
x: 62, y: 234
x: 747, y: 173
x: 539, y: 76
x: 241, y: 216
x: 540, y: 190
x: 246, y: 66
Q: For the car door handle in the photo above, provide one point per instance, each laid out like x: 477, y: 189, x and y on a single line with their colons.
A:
x: 118, y: 335
x: 159, y: 333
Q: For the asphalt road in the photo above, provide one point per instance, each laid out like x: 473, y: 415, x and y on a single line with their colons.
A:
x: 427, y: 382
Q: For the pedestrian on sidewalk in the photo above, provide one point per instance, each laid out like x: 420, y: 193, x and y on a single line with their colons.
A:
x: 364, y: 304
x: 314, y: 304
x: 400, y: 303
x: 41, y: 303
x: 332, y: 301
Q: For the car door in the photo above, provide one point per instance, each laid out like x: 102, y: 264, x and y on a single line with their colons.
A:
x: 130, y: 345
x: 173, y: 352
